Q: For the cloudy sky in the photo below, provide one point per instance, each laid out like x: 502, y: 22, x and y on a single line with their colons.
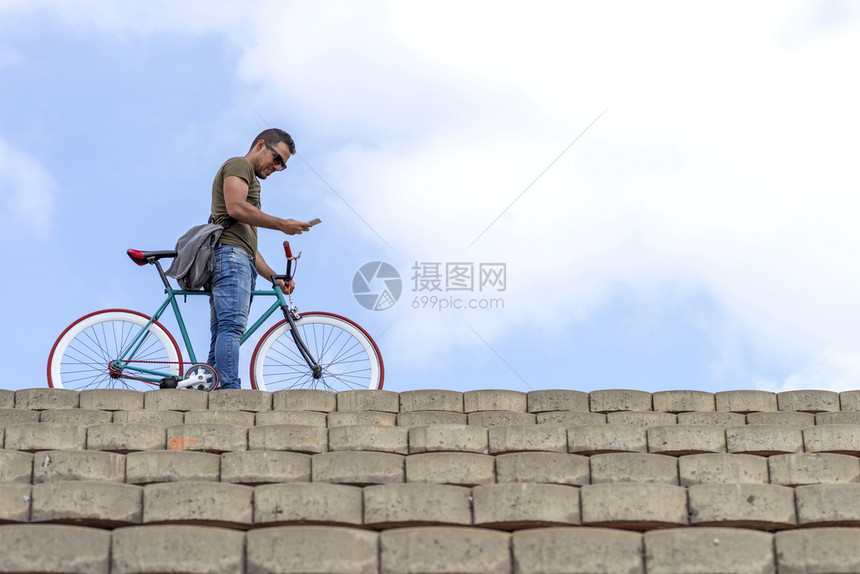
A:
x: 671, y: 188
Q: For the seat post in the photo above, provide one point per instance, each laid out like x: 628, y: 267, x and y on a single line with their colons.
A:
x: 161, y: 272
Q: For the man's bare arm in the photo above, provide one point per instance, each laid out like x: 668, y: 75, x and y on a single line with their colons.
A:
x: 235, y: 196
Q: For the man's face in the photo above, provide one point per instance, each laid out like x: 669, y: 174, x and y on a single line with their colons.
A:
x: 272, y: 158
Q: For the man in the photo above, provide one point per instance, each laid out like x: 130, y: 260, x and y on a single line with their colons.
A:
x: 236, y: 194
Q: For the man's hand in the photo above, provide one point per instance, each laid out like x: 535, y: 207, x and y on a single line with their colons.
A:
x: 293, y: 227
x: 286, y: 289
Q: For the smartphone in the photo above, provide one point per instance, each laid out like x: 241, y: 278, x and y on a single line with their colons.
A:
x: 314, y: 221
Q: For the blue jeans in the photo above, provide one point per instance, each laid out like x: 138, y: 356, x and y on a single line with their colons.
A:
x: 233, y: 279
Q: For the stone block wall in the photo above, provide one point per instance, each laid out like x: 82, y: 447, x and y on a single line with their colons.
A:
x: 243, y: 481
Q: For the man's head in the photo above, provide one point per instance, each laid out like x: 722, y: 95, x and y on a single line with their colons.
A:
x: 270, y: 152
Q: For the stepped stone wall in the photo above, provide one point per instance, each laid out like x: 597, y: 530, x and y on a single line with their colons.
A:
x: 429, y: 481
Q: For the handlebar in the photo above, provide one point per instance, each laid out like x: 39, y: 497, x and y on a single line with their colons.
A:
x: 289, y: 253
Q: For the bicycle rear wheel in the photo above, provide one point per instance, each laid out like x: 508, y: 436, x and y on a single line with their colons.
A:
x: 348, y: 356
x: 81, y: 356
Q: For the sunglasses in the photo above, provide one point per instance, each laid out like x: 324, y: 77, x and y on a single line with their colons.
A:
x: 278, y: 159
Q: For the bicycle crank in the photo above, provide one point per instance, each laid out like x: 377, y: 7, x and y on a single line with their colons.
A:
x: 199, y: 377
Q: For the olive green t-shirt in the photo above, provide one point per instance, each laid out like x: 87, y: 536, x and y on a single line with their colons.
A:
x: 239, y: 234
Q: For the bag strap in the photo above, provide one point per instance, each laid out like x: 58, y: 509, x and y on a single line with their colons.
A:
x: 226, y: 223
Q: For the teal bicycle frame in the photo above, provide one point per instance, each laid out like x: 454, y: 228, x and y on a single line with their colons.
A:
x: 125, y: 361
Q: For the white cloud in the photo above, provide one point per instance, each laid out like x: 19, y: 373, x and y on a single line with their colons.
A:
x: 832, y: 370
x: 27, y: 190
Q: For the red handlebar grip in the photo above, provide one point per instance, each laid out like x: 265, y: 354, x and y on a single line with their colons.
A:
x: 287, y: 250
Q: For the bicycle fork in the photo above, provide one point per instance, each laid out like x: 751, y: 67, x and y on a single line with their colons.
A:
x: 316, y: 369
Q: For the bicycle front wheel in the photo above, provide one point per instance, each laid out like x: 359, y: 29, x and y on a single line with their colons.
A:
x: 80, y: 358
x: 348, y: 356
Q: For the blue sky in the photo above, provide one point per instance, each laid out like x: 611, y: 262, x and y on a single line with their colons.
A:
x: 700, y: 234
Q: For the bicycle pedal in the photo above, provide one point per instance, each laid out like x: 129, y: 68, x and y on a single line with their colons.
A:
x: 169, y: 383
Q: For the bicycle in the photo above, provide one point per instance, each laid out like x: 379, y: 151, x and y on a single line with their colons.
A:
x: 120, y: 348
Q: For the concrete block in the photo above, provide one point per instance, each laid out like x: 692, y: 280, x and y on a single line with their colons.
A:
x: 722, y: 469
x: 431, y: 400
x: 254, y: 467
x: 82, y: 503
x: 16, y: 466
x: 832, y: 550
x: 79, y: 417
x: 358, y: 468
x: 495, y: 400
x: 149, y: 417
x: 709, y: 550
x: 14, y: 503
x: 787, y: 418
x: 89, y: 465
x: 401, y: 505
x: 745, y: 402
x: 199, y: 503
x: 513, y: 506
x: 756, y: 506
x: 840, y: 418
x: 634, y: 506
x: 849, y: 401
x: 556, y: 400
x: 240, y: 400
x: 171, y: 466
x: 368, y: 400
x: 155, y: 549
x: 300, y: 549
x: 489, y: 419
x: 448, y: 438
x: 466, y: 550
x: 612, y: 400
x: 840, y: 439
x: 215, y: 438
x: 598, y: 439
x: 125, y: 438
x: 302, y: 418
x: 679, y: 440
x: 7, y: 399
x: 642, y: 419
x: 633, y: 467
x: 684, y: 401
x: 352, y: 418
x: 813, y: 468
x: 570, y: 419
x: 308, y: 503
x: 578, y: 551
x: 111, y: 399
x: 717, y: 419
x: 46, y: 398
x: 236, y: 418
x: 808, y: 401
x: 55, y: 549
x: 509, y: 439
x: 375, y: 438
x: 765, y: 440
x: 310, y: 440
x: 828, y: 505
x: 304, y: 400
x: 175, y: 400
x: 33, y: 437
x: 458, y: 468
x: 427, y: 418
x: 543, y: 467
x: 18, y: 416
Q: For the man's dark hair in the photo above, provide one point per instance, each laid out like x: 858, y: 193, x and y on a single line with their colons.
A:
x: 274, y: 135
